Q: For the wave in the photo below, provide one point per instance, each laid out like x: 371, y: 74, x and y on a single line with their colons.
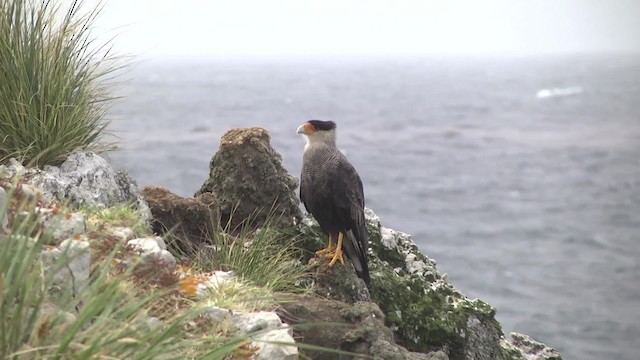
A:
x: 554, y: 92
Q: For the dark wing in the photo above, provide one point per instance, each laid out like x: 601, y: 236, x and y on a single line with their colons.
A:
x: 348, y: 197
x: 305, y: 186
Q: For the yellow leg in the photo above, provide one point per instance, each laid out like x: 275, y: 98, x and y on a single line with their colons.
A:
x: 338, y: 255
x: 329, y: 249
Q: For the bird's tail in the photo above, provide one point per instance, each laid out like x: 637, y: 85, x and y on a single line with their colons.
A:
x: 358, y: 257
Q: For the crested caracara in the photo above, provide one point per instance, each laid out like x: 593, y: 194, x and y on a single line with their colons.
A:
x: 331, y: 191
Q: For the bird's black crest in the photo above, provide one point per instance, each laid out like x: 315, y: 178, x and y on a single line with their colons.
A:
x: 322, y: 125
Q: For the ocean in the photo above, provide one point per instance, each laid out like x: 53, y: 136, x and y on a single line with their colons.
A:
x: 520, y: 176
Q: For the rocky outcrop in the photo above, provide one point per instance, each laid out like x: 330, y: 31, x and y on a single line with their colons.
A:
x: 357, y: 328
x: 524, y: 347
x: 410, y: 311
x: 249, y: 181
x: 423, y: 309
x: 83, y: 179
x: 189, y: 219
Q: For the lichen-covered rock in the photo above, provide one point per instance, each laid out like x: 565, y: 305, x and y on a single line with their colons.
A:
x: 83, y: 179
x: 422, y: 308
x: 153, y: 251
x: 249, y: 181
x: 357, y: 328
x: 523, y: 347
x: 189, y: 219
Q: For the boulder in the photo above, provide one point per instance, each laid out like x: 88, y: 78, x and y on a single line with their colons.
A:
x: 249, y: 181
x: 190, y: 219
x: 358, y: 328
x: 83, y: 179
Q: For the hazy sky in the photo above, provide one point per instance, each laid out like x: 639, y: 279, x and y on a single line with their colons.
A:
x: 200, y: 27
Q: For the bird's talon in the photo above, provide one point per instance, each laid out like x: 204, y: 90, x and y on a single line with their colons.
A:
x: 327, y: 251
x: 337, y: 257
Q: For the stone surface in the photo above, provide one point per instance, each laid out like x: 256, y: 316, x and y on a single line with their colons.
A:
x: 4, y: 219
x: 75, y: 272
x: 339, y: 282
x: 65, y: 226
x: 261, y: 326
x: 255, y: 321
x: 357, y: 328
x: 523, y: 347
x: 152, y: 251
x: 212, y: 281
x: 249, y: 181
x: 122, y: 233
x: 189, y: 219
x: 84, y: 179
x: 270, y: 351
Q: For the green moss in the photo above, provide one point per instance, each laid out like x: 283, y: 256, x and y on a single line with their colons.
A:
x: 510, y: 352
x: 425, y: 312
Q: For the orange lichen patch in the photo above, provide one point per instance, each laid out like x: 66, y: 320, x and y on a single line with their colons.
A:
x: 67, y: 216
x: 245, y: 351
x: 189, y: 284
x: 184, y: 269
x: 77, y: 237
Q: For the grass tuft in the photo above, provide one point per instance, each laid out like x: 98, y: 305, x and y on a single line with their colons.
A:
x: 267, y: 257
x: 53, y: 81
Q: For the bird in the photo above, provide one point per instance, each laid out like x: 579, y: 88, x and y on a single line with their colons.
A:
x: 331, y: 190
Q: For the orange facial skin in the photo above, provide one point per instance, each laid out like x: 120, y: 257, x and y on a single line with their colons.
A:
x: 309, y: 128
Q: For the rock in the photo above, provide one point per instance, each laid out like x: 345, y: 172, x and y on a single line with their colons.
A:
x: 190, y: 219
x: 212, y: 281
x: 425, y: 311
x: 249, y: 181
x: 261, y: 326
x: 48, y: 314
x: 74, y: 273
x: 65, y: 226
x: 255, y: 321
x: 122, y: 233
x: 339, y: 282
x: 83, y: 179
x: 152, y: 252
x: 357, y: 328
x: 268, y: 350
x: 523, y: 347
x: 79, y: 253
x: 4, y: 219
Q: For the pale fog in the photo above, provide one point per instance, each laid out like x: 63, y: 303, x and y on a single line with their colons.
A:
x: 503, y: 135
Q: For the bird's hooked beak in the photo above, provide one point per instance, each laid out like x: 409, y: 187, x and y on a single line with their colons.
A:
x: 306, y: 129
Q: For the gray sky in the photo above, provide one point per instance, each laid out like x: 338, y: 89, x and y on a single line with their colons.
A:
x: 202, y: 27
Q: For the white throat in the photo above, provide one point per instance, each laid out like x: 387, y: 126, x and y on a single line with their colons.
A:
x: 320, y: 138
